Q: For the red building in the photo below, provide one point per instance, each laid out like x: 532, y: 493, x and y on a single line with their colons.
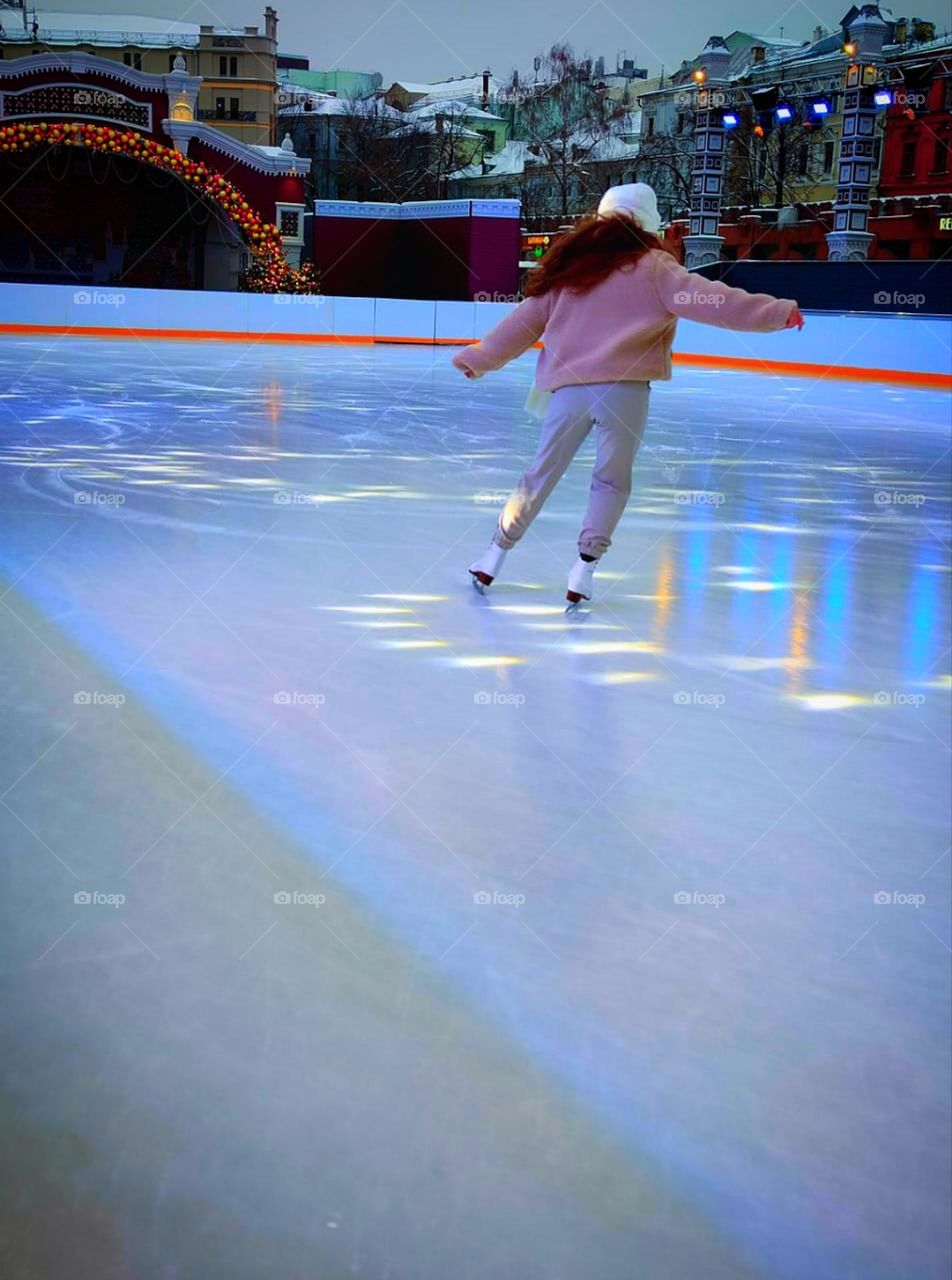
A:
x: 111, y: 178
x: 906, y: 227
x: 918, y: 133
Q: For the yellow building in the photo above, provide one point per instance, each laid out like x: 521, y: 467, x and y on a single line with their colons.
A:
x: 238, y: 65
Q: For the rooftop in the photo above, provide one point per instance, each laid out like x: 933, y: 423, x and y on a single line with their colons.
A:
x: 57, y: 27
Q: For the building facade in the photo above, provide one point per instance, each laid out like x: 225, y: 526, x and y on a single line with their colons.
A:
x: 112, y: 178
x: 237, y: 65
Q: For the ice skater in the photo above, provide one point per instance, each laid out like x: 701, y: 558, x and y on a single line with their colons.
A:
x: 606, y: 297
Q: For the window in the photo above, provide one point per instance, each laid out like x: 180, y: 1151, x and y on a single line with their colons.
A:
x: 223, y: 66
x: 651, y: 126
x: 940, y: 159
x: 803, y: 160
x: 680, y: 124
x: 233, y: 112
x: 290, y: 222
x: 133, y: 60
x: 828, y: 149
x: 219, y: 108
x: 907, y: 165
x: 233, y: 67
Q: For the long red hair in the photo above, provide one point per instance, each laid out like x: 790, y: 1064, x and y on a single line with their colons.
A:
x: 592, y: 250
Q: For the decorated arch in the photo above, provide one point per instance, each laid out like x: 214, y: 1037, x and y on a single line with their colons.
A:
x: 269, y: 270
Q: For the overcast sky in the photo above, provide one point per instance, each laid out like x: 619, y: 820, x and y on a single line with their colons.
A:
x: 434, y: 39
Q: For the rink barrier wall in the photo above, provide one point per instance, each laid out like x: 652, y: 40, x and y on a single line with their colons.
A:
x: 907, y: 349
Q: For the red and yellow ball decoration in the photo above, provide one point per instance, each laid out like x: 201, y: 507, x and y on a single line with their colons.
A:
x: 270, y: 272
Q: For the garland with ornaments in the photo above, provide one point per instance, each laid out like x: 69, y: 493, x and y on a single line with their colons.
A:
x: 270, y: 272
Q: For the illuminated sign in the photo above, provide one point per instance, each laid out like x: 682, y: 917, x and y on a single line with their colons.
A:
x: 535, y: 246
x: 945, y: 223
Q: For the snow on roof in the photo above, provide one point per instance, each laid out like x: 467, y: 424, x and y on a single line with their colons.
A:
x: 450, y: 106
x: 430, y: 126
x: 505, y: 163
x: 299, y: 101
x: 58, y: 27
x: 70, y: 20
x: 463, y: 87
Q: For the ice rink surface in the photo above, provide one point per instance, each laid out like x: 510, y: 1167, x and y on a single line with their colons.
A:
x: 357, y: 926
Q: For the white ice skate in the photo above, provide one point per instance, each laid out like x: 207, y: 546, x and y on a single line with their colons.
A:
x: 581, y: 576
x: 487, y: 567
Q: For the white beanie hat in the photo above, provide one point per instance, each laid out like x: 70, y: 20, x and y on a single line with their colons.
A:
x: 636, y: 198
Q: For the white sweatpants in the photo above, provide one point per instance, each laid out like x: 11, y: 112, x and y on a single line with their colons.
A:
x: 618, y: 412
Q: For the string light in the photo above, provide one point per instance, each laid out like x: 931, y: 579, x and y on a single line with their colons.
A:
x: 269, y: 272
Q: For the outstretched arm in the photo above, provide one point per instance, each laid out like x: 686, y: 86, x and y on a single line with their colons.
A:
x: 691, y: 296
x: 513, y: 335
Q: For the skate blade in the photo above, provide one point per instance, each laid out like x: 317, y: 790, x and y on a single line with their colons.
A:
x: 478, y: 584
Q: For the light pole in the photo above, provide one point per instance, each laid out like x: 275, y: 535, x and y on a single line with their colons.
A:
x: 703, y: 246
x: 850, y: 241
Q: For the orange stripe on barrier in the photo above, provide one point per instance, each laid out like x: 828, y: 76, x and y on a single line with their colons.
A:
x: 805, y: 369
x: 201, y: 335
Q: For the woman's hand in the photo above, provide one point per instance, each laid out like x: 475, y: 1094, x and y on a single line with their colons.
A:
x: 459, y: 362
x: 795, y: 319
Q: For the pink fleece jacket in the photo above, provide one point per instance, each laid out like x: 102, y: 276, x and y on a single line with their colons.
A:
x: 622, y: 329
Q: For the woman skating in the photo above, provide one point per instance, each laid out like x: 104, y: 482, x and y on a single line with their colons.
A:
x: 606, y: 297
